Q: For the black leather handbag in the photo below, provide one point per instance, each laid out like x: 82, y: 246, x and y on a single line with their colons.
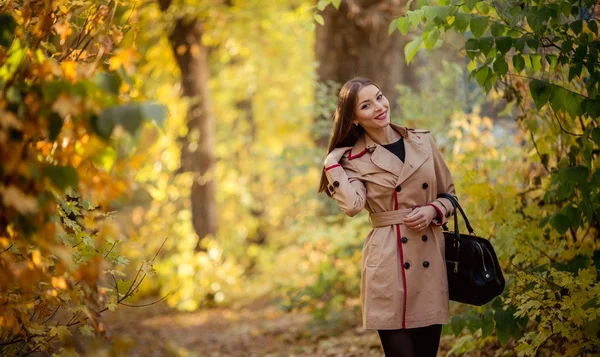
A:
x: 474, y: 275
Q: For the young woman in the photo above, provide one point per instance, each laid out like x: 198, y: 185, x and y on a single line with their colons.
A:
x: 395, y: 173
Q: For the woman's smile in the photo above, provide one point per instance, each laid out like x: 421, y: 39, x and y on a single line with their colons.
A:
x: 381, y: 116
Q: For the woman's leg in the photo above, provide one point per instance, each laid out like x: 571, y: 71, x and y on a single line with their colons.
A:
x: 415, y: 342
x: 397, y: 343
x: 427, y: 340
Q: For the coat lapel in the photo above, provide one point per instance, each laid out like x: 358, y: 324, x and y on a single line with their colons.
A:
x: 385, y: 160
x: 417, y: 151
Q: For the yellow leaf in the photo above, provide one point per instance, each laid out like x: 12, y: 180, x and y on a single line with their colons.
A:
x: 59, y: 282
x: 125, y: 58
x: 61, y: 332
x: 36, y: 258
x: 69, y: 70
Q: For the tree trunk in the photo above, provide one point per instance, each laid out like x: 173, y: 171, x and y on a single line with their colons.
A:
x: 355, y: 42
x: 197, y: 151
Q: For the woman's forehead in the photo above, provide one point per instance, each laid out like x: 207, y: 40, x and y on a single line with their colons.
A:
x: 367, y: 92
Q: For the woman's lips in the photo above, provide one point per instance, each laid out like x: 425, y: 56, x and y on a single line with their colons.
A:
x: 381, y: 116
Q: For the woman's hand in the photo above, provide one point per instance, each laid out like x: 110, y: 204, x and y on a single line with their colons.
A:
x: 420, y: 218
x: 335, y: 155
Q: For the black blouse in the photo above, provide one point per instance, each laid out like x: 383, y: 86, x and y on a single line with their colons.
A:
x: 397, y: 148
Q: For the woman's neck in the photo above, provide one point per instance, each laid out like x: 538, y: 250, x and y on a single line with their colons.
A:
x: 383, y: 136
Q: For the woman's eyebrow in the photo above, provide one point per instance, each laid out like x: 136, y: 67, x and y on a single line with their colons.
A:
x: 369, y: 99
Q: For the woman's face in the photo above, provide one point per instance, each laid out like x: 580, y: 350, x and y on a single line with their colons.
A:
x: 372, y: 109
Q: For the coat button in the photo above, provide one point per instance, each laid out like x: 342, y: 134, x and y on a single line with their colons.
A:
x: 425, y: 185
x: 331, y: 188
x: 426, y: 264
x: 406, y: 265
x: 404, y: 239
x: 336, y: 184
x: 398, y: 188
x: 424, y: 238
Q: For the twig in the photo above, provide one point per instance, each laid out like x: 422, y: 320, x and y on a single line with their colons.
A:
x: 7, y: 248
x: 152, y: 303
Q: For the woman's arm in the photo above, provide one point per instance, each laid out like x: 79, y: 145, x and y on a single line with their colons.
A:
x: 345, y: 187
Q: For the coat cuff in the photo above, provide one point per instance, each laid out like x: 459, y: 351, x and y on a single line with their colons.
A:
x: 438, y: 221
x: 333, y: 173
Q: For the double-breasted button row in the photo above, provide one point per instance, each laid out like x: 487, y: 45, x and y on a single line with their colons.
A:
x: 405, y: 240
x: 407, y: 265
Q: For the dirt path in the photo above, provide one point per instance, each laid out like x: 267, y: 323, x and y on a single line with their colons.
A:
x: 256, y: 331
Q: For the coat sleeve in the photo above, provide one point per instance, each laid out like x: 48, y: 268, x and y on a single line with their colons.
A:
x: 345, y: 187
x: 445, y: 184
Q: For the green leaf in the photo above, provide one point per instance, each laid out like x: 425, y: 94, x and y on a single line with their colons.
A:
x: 55, y: 123
x: 322, y: 4
x: 593, y: 26
x: 560, y: 222
x: 576, y: 26
x: 105, y: 158
x: 595, y: 135
x: 487, y: 323
x: 520, y: 43
x: 565, y: 8
x: 518, y: 62
x: 471, y: 4
x: 552, y: 60
x: 486, y: 44
x: 478, y: 25
x: 403, y: 25
x: 500, y: 66
x: 536, y: 62
x: 62, y: 176
x: 155, y: 112
x: 482, y: 7
x: 563, y: 99
x: 461, y: 21
x: 431, y: 38
x: 393, y: 25
x: 414, y: 17
x: 129, y: 116
x: 336, y: 4
x: 566, y: 46
x: 504, y: 44
x: 7, y: 29
x: 411, y: 49
x: 457, y: 324
x: 575, y: 71
x: 497, y: 29
x: 482, y: 75
x: 319, y: 19
x: 536, y: 22
x: 108, y: 82
x: 540, y: 92
x: 472, y: 47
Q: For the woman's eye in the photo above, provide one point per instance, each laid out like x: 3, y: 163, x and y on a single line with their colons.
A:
x: 380, y: 96
x: 365, y: 106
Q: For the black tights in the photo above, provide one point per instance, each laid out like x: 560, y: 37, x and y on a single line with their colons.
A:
x: 414, y: 342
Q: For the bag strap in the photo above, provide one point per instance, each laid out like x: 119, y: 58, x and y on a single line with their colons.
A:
x: 456, y: 206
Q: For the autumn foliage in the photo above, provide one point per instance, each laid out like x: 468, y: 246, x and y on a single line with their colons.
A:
x: 65, y: 95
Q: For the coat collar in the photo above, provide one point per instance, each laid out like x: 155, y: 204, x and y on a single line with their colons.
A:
x: 415, y: 146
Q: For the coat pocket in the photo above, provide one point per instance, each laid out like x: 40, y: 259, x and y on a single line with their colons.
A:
x: 373, y: 255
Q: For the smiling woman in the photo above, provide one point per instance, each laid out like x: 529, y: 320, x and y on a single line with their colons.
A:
x: 395, y: 173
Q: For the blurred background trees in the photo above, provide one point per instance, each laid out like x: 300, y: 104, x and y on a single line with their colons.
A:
x: 204, y: 123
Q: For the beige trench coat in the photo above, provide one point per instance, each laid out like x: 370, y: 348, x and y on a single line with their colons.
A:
x: 403, y: 279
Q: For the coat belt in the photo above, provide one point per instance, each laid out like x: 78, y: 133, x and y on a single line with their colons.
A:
x: 382, y: 219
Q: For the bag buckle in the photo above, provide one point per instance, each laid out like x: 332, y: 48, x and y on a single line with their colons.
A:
x: 455, y: 265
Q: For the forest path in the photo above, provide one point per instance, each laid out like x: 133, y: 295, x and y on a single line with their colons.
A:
x: 253, y: 331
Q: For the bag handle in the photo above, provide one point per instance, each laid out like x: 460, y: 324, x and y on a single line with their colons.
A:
x: 456, y: 206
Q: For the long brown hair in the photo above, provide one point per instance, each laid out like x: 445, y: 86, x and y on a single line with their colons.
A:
x: 344, y: 132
